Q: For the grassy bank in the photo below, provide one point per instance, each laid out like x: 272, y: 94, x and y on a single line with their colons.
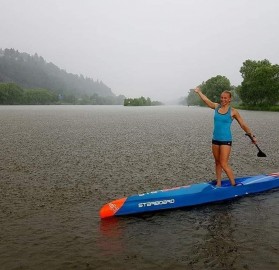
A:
x: 274, y: 108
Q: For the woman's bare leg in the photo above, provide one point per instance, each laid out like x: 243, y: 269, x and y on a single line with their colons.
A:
x: 218, y: 168
x: 224, y: 156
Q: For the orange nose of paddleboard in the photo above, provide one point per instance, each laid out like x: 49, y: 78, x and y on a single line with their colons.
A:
x: 109, y: 209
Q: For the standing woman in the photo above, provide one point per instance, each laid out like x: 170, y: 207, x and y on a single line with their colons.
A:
x: 222, y: 136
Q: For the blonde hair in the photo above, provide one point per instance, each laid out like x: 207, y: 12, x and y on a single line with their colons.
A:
x: 228, y: 92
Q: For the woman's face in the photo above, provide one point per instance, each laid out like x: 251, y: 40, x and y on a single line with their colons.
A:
x: 225, y: 98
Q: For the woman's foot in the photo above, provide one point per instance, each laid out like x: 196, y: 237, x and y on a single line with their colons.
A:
x: 216, y: 183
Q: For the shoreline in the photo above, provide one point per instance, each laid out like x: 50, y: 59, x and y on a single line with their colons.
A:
x: 274, y: 108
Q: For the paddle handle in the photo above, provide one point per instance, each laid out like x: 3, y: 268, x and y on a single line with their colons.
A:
x: 251, y: 137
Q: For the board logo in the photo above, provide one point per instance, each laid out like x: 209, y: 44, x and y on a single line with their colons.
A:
x: 155, y: 203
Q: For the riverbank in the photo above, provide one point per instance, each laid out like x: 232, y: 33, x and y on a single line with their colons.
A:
x: 274, y: 108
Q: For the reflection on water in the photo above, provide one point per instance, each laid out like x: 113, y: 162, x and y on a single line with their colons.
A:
x: 111, y: 235
x: 205, y: 237
x: 110, y: 227
x: 218, y: 248
x: 60, y: 164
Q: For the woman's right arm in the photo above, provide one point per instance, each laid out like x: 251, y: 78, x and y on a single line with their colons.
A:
x: 205, y: 99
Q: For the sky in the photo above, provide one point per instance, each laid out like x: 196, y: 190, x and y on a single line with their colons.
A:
x: 152, y: 48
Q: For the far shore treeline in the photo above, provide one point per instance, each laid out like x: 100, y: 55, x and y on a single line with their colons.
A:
x: 26, y: 79
x: 142, y: 101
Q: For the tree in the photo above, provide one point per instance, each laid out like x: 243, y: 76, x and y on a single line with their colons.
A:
x: 213, y: 87
x: 39, y: 96
x: 235, y: 94
x: 260, y: 85
x: 142, y: 101
x: 193, y: 99
x: 10, y: 94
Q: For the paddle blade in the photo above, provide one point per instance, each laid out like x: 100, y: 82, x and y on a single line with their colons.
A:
x: 261, y: 154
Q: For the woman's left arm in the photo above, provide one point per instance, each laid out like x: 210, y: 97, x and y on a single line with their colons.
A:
x: 243, y: 125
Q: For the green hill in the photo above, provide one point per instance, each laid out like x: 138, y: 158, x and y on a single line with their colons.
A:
x: 32, y: 71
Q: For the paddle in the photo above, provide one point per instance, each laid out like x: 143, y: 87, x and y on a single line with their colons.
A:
x: 261, y: 153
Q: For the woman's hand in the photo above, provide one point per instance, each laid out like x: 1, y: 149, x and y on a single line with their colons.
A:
x: 207, y: 101
x: 253, y: 139
x: 197, y: 90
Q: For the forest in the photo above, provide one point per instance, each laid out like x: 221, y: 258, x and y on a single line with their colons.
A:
x: 29, y: 79
x: 259, y: 89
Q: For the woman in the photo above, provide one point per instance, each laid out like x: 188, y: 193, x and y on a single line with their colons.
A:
x: 222, y: 136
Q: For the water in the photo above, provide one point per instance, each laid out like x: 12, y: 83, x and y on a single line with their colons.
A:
x: 60, y: 164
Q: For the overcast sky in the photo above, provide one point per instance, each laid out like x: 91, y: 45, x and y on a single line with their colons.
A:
x: 155, y: 48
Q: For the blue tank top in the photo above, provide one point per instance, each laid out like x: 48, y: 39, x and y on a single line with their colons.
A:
x: 222, y: 125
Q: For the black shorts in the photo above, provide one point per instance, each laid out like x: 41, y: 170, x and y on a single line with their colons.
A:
x: 229, y: 143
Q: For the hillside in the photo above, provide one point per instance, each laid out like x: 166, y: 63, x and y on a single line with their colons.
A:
x: 32, y: 71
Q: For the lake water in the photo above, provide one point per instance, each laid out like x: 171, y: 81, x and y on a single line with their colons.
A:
x: 60, y: 164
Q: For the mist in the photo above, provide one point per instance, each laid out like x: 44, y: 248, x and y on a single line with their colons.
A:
x: 153, y: 48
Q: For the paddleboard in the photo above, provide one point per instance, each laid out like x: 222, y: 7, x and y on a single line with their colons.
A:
x: 189, y: 195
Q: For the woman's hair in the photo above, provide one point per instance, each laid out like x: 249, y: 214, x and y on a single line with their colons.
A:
x: 228, y: 92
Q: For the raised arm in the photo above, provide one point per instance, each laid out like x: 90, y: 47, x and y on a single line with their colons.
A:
x: 205, y: 99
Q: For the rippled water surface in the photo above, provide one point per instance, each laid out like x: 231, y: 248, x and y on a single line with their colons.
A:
x: 60, y: 164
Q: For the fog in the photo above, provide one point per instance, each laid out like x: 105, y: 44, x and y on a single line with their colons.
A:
x: 154, y: 48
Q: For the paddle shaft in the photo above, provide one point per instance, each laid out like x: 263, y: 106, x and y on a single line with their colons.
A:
x: 261, y: 153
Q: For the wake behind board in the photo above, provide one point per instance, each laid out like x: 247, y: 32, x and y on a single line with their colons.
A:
x: 189, y: 195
